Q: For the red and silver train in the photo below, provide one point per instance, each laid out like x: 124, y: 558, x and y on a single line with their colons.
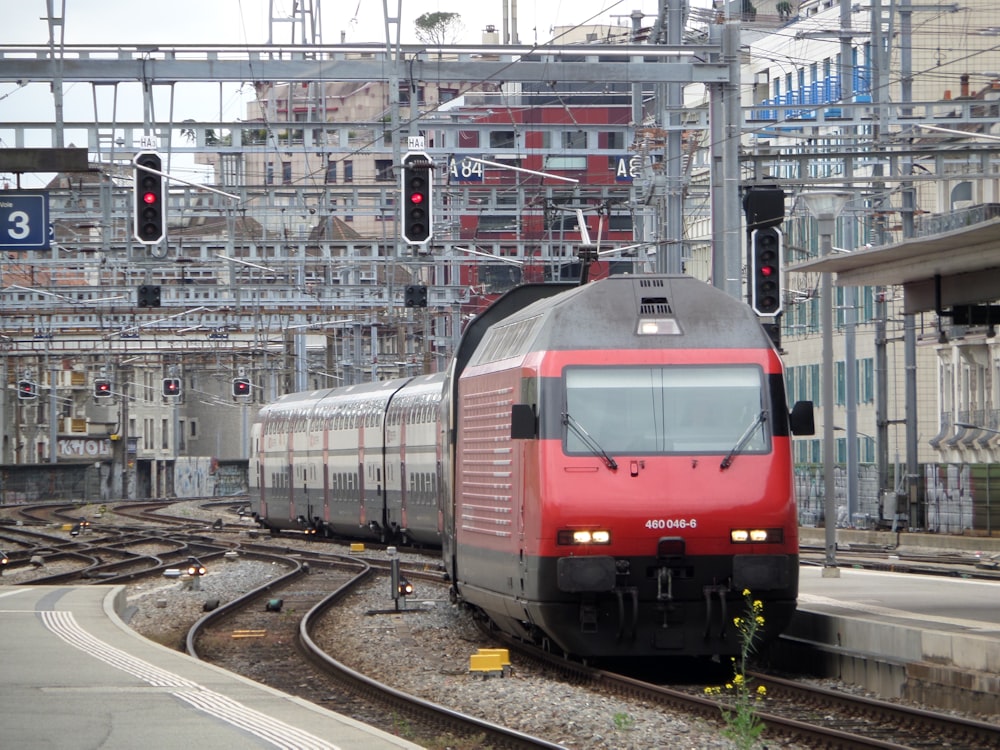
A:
x: 605, y: 467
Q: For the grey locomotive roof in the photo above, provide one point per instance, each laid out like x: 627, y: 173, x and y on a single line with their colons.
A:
x: 606, y: 315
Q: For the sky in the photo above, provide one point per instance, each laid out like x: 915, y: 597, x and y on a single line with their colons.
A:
x: 246, y: 21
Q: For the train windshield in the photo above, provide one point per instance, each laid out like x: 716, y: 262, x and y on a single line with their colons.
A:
x: 665, y: 409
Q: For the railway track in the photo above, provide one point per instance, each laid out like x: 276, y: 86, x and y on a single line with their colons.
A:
x: 877, y: 558
x: 266, y: 635
x: 799, y: 712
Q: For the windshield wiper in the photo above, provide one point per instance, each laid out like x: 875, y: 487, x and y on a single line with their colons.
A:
x: 744, y: 439
x: 589, y: 441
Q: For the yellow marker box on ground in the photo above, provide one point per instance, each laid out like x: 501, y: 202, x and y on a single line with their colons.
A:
x: 502, y: 653
x: 486, y: 663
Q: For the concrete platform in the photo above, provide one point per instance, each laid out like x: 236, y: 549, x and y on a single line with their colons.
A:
x: 929, y: 638
x: 75, y: 676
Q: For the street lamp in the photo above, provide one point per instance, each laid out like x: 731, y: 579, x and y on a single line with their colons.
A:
x: 825, y: 206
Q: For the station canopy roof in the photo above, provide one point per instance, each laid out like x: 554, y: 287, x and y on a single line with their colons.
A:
x: 965, y: 262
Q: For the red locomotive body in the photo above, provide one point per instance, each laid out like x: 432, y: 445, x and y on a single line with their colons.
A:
x: 649, y: 482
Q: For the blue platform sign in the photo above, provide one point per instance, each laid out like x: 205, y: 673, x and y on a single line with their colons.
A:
x: 24, y: 220
x: 461, y: 170
x: 627, y: 167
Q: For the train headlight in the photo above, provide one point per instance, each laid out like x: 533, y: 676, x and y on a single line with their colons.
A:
x: 756, y: 536
x: 583, y: 536
x: 658, y: 326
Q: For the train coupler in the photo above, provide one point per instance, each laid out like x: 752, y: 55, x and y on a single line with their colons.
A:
x: 627, y: 621
x: 721, y: 590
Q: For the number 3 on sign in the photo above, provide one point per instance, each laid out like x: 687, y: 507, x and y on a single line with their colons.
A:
x: 18, y: 225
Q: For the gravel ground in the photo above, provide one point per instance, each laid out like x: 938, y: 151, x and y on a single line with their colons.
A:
x: 436, y: 638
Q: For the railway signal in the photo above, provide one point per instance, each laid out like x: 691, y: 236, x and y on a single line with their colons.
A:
x: 148, y: 295
x: 765, y: 271
x: 27, y: 389
x: 171, y: 386
x: 764, y: 207
x: 418, y: 203
x: 415, y: 296
x: 150, y: 212
x: 195, y: 568
x: 241, y: 387
x: 102, y: 388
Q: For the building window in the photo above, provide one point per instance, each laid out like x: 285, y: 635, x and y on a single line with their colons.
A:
x: 503, y: 139
x: 866, y: 382
x: 286, y: 173
x: 575, y: 139
x: 611, y: 140
x: 331, y: 172
x: 554, y: 163
x: 388, y: 210
x: 383, y: 170
x: 269, y: 173
x: 348, y: 171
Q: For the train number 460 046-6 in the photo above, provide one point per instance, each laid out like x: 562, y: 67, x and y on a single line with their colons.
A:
x: 672, y: 523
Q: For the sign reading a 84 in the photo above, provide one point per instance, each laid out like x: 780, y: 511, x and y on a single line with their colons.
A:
x: 24, y: 220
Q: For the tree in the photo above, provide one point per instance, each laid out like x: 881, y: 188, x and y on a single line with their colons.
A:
x: 784, y: 9
x: 438, y: 28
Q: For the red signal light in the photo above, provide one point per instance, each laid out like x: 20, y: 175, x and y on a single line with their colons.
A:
x: 149, y: 218
x: 764, y: 280
x: 417, y: 188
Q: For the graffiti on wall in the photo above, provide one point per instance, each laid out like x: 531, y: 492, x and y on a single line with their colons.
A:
x: 204, y: 476
x: 84, y: 447
x: 193, y: 476
x: 231, y: 479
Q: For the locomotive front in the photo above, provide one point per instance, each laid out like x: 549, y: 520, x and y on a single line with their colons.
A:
x: 664, y: 491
